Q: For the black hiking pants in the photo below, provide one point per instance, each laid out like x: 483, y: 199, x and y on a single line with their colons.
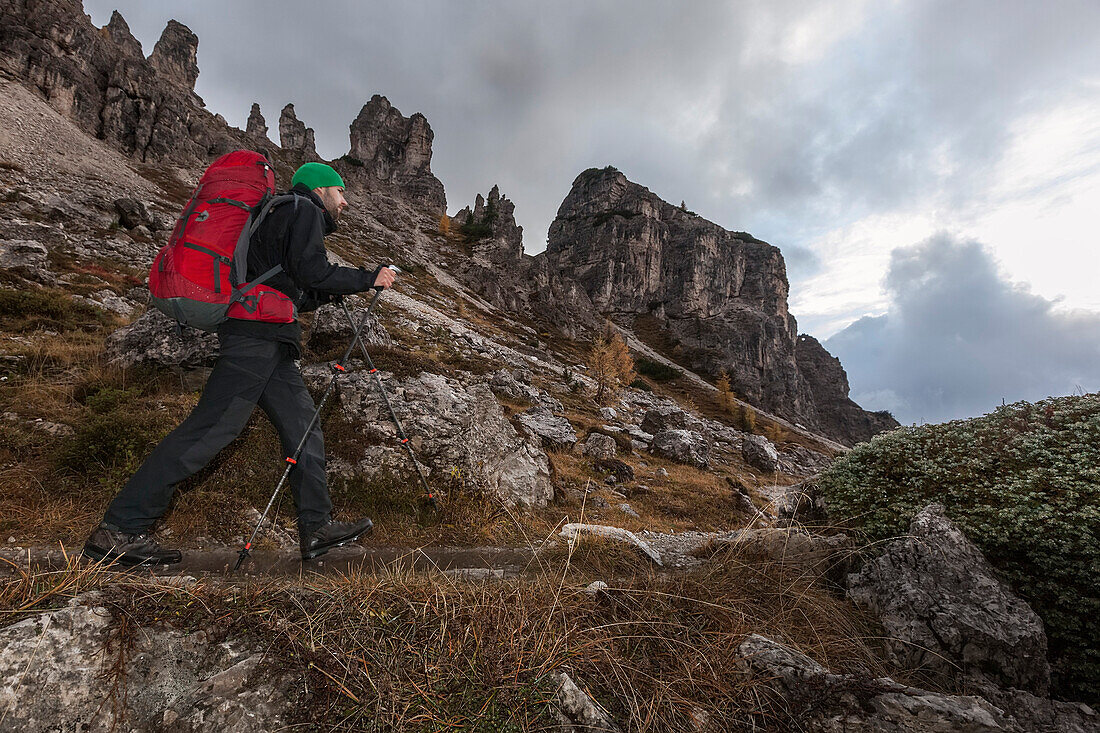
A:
x: 248, y: 372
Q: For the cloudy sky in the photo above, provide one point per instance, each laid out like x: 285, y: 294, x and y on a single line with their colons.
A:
x: 930, y: 170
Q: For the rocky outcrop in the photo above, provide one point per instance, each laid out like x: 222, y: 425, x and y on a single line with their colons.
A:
x: 814, y: 699
x: 146, y: 108
x: 715, y: 299
x: 945, y: 612
x: 256, y: 124
x: 57, y: 673
x: 152, y: 339
x: 837, y: 414
x: 294, y: 135
x: 391, y: 151
x: 554, y: 432
x: 175, y: 56
x: 458, y: 431
x: 576, y: 712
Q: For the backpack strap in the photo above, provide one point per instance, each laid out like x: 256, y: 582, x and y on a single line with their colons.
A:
x: 240, y: 251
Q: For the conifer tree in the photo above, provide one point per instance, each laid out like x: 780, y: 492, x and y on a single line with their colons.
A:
x: 610, y: 364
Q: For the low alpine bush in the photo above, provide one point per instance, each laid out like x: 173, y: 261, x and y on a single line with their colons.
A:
x: 1023, y: 483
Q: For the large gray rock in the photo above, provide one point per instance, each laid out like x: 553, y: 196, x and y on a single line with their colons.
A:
x: 455, y: 430
x: 820, y: 701
x: 555, y: 433
x: 720, y: 296
x: 945, y: 612
x: 683, y: 446
x: 55, y: 675
x: 394, y: 152
x: 600, y: 446
x: 152, y: 339
x: 759, y: 453
x: 175, y: 55
x: 256, y: 124
x: 666, y: 417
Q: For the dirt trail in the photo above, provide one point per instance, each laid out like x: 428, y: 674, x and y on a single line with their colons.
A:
x: 219, y: 561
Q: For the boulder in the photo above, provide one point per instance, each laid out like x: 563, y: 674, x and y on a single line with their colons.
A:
x: 682, y: 446
x: 133, y: 213
x: 600, y: 446
x: 667, y: 417
x: 759, y: 453
x: 330, y: 327
x: 945, y: 612
x: 505, y: 384
x: 555, y: 433
x: 814, y: 699
x: 110, y: 301
x: 455, y: 429
x: 55, y: 674
x: 152, y: 339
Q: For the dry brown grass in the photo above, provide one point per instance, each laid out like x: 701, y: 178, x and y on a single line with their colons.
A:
x: 425, y: 652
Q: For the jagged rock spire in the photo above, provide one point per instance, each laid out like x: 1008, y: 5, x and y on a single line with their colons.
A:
x: 293, y: 133
x: 119, y: 31
x: 256, y: 125
x: 176, y: 54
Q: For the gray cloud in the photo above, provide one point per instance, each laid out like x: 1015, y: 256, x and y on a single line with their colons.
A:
x: 958, y: 338
x: 693, y: 100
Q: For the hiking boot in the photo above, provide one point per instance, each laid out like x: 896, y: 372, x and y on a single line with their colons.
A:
x: 332, y: 534
x: 111, y: 545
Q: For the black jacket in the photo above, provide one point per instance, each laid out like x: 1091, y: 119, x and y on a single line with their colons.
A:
x: 292, y: 235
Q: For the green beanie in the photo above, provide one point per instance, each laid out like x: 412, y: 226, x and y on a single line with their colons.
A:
x: 316, y: 175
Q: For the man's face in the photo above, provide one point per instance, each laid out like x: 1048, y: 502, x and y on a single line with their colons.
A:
x: 333, y: 199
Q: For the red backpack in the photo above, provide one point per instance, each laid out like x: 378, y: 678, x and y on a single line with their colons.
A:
x: 198, y: 278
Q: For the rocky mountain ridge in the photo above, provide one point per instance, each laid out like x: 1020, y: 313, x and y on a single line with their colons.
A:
x: 616, y: 250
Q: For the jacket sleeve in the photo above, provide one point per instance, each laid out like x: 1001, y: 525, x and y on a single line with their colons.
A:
x: 306, y: 260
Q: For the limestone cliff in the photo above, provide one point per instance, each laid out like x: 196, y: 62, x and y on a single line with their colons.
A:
x: 714, y: 298
x: 98, y: 78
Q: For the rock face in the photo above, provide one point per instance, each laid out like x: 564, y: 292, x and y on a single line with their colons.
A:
x: 554, y: 432
x: 946, y: 613
x: 294, y: 135
x: 455, y: 430
x: 146, y: 108
x: 389, y: 150
x: 828, y: 381
x: 718, y: 299
x: 256, y: 124
x: 55, y: 674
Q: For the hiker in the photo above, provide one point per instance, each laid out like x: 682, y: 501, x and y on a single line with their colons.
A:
x: 256, y: 365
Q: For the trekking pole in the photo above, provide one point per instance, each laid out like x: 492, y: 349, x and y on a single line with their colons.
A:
x: 371, y: 369
x: 291, y: 461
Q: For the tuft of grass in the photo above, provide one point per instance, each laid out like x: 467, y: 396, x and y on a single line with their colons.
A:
x: 30, y: 310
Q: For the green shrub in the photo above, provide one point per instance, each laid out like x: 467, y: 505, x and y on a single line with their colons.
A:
x: 1023, y: 483
x: 655, y: 370
x: 111, y: 446
x: 641, y: 384
x: 106, y: 399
